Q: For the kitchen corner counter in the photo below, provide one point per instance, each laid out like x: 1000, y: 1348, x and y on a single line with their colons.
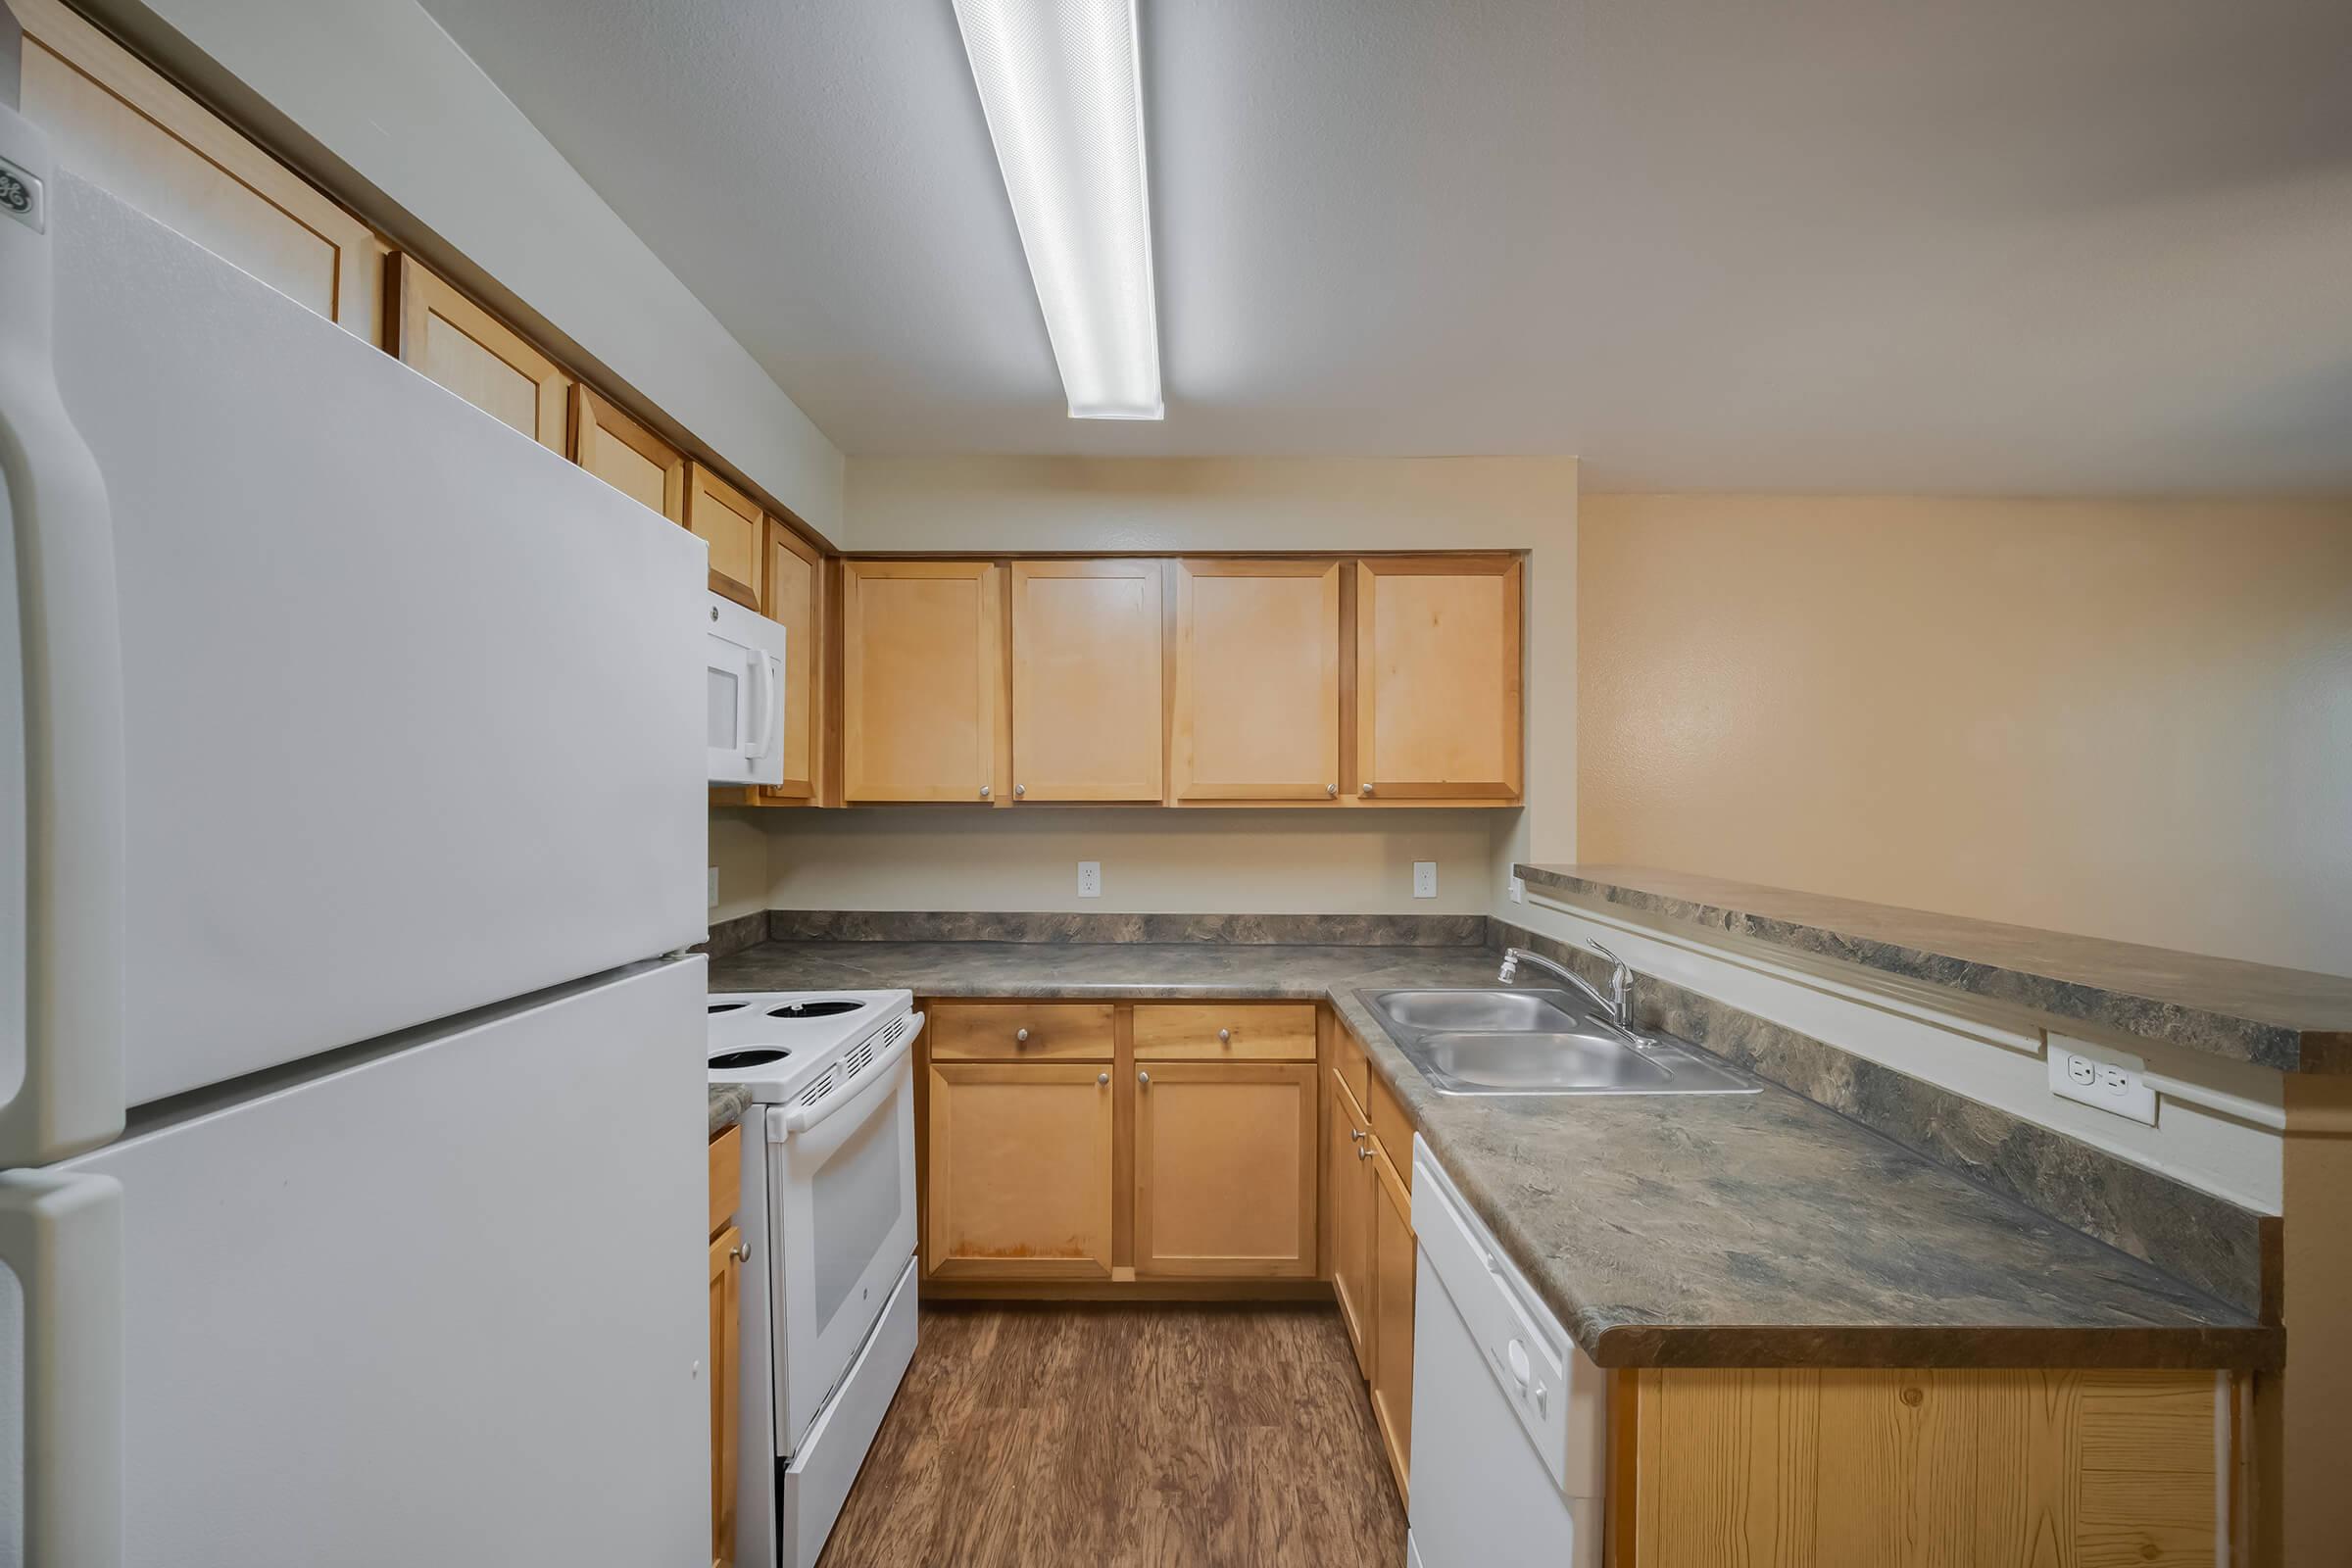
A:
x: 728, y: 1102
x: 2291, y: 1020
x: 1759, y: 1230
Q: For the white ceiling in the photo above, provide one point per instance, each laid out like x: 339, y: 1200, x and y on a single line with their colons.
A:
x: 1986, y: 245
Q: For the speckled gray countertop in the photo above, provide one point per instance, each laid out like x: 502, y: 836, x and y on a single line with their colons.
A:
x: 728, y: 1102
x: 1664, y: 1231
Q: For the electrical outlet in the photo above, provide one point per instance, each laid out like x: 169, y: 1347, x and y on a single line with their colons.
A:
x: 1518, y: 890
x: 2112, y: 1080
x: 1425, y: 879
x: 1090, y: 879
x: 712, y: 889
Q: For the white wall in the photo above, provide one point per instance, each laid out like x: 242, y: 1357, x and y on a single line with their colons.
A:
x: 1202, y: 860
x: 391, y: 98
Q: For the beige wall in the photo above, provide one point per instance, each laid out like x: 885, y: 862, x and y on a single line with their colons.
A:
x: 2132, y: 719
x: 1154, y: 860
x: 1217, y: 860
x: 739, y: 854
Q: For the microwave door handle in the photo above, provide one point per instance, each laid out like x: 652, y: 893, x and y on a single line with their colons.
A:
x: 763, y: 703
x: 800, y: 1118
x: 61, y: 1234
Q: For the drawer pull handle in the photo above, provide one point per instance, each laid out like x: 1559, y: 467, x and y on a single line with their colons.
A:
x: 743, y: 1253
x: 1356, y: 1133
x: 1020, y: 1037
x: 1224, y: 1037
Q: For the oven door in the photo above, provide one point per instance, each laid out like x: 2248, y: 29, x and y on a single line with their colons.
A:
x: 743, y: 696
x: 841, y: 1207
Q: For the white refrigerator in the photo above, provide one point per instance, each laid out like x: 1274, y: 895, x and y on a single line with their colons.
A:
x: 354, y: 1195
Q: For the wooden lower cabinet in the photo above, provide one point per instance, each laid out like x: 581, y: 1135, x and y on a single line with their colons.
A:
x: 1225, y: 1158
x: 1806, y: 1468
x: 727, y: 1254
x: 1019, y: 1182
x: 1392, y: 1313
x: 726, y: 1362
x: 1349, y: 1189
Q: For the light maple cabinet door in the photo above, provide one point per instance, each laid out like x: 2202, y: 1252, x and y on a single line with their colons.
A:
x: 1436, y: 677
x: 450, y: 339
x: 1393, y: 1314
x: 732, y: 524
x: 117, y: 124
x: 628, y: 456
x: 727, y: 1381
x: 1225, y: 1170
x: 1019, y: 1182
x: 792, y: 594
x: 1350, y: 1189
x: 1257, y: 680
x: 1088, y: 719
x: 922, y: 680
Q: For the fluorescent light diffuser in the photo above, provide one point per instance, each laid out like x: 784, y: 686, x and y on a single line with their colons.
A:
x: 1062, y: 84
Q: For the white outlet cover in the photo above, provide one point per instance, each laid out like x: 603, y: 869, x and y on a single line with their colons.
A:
x: 1425, y: 879
x: 2101, y: 1076
x: 1090, y: 879
x: 1518, y: 889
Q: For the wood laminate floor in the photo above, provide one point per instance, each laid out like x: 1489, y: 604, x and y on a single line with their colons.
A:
x: 1173, y: 1436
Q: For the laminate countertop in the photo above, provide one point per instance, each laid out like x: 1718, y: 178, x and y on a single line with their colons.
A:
x: 728, y: 1102
x: 1754, y: 1230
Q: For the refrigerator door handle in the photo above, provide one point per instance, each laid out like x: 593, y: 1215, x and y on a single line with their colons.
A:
x: 61, y: 1234
x: 62, y: 887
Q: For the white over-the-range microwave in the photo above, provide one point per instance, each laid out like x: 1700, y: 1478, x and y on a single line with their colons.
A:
x: 743, y: 686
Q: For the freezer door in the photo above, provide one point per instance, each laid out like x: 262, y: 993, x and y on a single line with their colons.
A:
x: 445, y: 1306
x: 412, y: 704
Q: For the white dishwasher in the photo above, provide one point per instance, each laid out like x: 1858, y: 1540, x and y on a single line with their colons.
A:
x: 1510, y: 1450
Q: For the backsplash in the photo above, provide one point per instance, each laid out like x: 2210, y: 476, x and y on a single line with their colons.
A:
x: 1252, y: 930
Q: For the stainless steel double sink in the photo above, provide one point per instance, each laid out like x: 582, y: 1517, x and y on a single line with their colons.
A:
x: 1493, y: 1042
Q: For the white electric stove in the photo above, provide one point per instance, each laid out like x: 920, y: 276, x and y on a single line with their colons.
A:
x: 828, y: 1184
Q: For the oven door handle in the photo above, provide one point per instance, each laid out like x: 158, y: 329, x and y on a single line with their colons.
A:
x: 800, y: 1118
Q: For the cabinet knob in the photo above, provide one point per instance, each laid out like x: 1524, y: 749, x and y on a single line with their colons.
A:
x: 984, y: 792
x: 1020, y: 790
x: 1144, y: 1078
x: 1367, y: 789
x: 1364, y: 1150
x: 1356, y: 1133
x: 1224, y: 1037
x: 1020, y: 1037
x: 1102, y: 1077
x: 1332, y: 790
x: 743, y: 1253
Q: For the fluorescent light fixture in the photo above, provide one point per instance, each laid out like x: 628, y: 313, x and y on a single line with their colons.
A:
x: 1062, y: 84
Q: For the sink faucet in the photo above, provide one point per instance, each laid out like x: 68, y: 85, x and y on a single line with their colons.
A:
x: 1617, y: 1006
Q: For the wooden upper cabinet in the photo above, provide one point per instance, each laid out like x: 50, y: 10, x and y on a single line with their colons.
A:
x: 1225, y: 1168
x: 117, y: 124
x: 1258, y: 681
x: 732, y: 524
x: 793, y: 593
x: 1436, y: 677
x: 628, y: 456
x: 1019, y: 1171
x: 455, y: 342
x: 922, y: 680
x: 1087, y: 678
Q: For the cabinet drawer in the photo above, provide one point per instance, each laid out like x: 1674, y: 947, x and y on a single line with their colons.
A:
x: 1225, y: 1031
x: 727, y: 1177
x: 1020, y: 1031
